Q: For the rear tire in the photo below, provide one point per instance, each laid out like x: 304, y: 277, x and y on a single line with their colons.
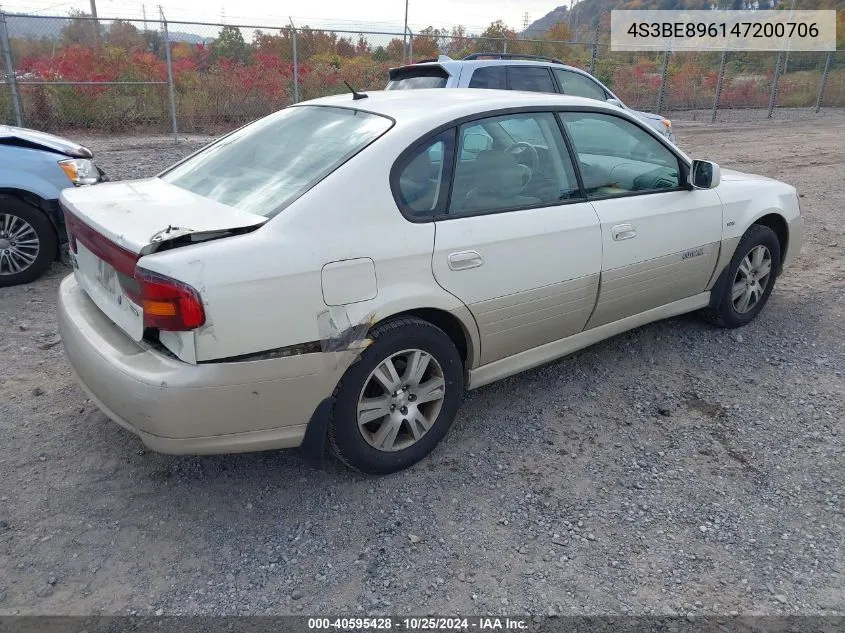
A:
x: 28, y: 242
x: 395, y: 405
x: 748, y: 281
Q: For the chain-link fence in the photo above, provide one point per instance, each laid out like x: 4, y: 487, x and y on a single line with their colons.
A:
x: 113, y: 75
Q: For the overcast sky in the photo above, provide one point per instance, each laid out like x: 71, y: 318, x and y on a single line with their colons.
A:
x: 380, y: 14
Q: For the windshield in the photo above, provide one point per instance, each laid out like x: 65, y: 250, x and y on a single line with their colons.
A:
x: 266, y: 165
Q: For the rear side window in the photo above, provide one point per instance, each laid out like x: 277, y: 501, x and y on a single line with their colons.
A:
x: 578, y: 85
x: 420, y: 77
x: 530, y: 78
x: 422, y: 178
x: 492, y: 77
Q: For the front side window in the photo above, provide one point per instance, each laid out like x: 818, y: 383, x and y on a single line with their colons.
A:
x: 423, y: 175
x: 530, y: 78
x: 616, y: 157
x: 523, y: 163
x: 578, y: 85
x: 264, y: 166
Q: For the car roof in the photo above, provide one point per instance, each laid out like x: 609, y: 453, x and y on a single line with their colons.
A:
x: 454, y: 64
x: 436, y: 105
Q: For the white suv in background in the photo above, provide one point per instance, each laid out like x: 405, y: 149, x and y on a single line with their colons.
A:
x: 502, y: 71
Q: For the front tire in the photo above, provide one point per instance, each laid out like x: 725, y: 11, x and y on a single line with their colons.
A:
x: 27, y: 242
x: 749, y: 279
x: 394, y: 405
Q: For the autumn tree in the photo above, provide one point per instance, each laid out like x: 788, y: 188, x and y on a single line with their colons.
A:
x: 496, y: 35
x: 279, y: 46
x: 395, y: 49
x: 363, y: 46
x: 124, y: 35
x: 80, y: 30
x: 344, y: 47
x: 456, y: 43
x: 426, y: 43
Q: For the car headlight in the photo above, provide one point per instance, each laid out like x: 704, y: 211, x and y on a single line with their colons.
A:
x: 80, y: 171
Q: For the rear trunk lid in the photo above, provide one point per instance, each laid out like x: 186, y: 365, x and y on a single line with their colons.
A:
x: 111, y: 226
x: 141, y: 215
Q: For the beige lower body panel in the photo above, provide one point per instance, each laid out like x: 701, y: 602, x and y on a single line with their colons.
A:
x: 176, y: 407
x: 527, y: 319
x: 633, y: 289
x: 552, y: 351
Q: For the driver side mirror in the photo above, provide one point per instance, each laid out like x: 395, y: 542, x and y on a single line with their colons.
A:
x: 704, y: 174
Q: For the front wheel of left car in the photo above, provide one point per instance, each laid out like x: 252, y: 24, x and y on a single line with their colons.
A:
x: 27, y: 242
x: 395, y: 405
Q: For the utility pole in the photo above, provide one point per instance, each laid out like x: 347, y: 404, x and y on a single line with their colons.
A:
x: 144, y: 12
x: 96, y: 21
x: 405, y: 34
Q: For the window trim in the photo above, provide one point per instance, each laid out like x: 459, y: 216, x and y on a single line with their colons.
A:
x: 683, y: 168
x: 554, y: 109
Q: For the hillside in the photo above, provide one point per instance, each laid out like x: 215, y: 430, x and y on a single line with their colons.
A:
x: 30, y: 27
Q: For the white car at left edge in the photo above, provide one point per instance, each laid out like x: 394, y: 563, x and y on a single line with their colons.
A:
x: 341, y: 272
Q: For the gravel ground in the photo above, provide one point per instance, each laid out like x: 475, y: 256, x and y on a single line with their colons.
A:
x: 678, y: 468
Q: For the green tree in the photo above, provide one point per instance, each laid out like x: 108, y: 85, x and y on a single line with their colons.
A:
x: 380, y: 55
x: 231, y: 45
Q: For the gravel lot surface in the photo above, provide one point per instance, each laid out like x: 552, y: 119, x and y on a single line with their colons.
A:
x: 678, y: 468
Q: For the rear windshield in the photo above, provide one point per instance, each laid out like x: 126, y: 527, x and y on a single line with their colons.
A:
x: 414, y: 78
x: 266, y: 165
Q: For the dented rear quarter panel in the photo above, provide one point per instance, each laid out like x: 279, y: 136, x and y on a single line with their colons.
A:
x: 263, y: 290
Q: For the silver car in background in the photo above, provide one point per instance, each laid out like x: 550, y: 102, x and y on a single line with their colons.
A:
x: 502, y: 71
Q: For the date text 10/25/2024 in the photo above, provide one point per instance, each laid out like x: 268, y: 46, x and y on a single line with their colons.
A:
x: 419, y: 624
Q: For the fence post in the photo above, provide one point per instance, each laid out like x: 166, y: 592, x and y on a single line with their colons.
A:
x: 505, y: 45
x: 824, y: 81
x: 662, y: 92
x: 170, y: 86
x: 594, y: 52
x: 10, y: 70
x: 773, y: 97
x: 295, y: 63
x: 719, y: 86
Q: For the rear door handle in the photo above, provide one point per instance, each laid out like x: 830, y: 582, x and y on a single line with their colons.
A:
x: 465, y: 259
x: 623, y: 232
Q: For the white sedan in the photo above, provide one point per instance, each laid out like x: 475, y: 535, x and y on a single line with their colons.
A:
x: 343, y: 270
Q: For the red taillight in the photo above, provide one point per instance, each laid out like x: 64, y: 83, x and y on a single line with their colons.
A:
x: 167, y: 304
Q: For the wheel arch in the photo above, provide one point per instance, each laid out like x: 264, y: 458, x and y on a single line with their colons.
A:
x: 780, y: 227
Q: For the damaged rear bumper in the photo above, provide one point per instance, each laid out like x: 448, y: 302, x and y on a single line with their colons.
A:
x: 180, y: 408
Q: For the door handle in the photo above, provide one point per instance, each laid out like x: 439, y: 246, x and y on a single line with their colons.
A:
x: 465, y: 259
x: 623, y: 232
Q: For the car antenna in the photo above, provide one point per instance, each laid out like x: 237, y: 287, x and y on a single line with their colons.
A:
x: 355, y: 94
